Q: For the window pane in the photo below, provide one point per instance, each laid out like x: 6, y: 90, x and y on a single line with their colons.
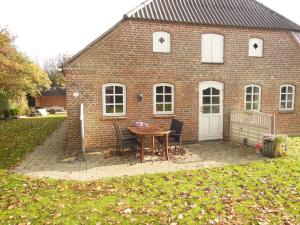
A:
x: 109, y: 109
x: 168, y: 90
x: 119, y: 99
x: 168, y: 98
x: 119, y: 109
x: 206, y: 109
x: 255, y: 106
x: 256, y: 90
x: 283, y: 97
x: 256, y: 98
x: 207, y: 91
x: 291, y: 89
x: 118, y: 90
x: 283, y: 89
x: 160, y: 89
x: 215, y: 100
x: 216, y: 109
x: 168, y: 107
x: 290, y: 97
x: 289, y: 105
x: 215, y: 91
x: 282, y: 105
x: 206, y: 100
x: 248, y: 106
x: 159, y: 107
x: 109, y: 90
x: 249, y: 90
x: 248, y: 98
x: 159, y: 98
x: 109, y: 99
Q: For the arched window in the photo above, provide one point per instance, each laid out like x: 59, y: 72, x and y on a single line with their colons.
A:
x: 287, y: 97
x: 252, y: 97
x: 161, y: 42
x: 163, y: 98
x: 256, y: 46
x: 212, y: 48
x: 114, y: 99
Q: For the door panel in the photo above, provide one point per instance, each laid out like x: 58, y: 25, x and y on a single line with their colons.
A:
x: 211, y: 111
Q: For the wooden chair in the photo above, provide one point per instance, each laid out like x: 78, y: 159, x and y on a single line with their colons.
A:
x: 125, y: 139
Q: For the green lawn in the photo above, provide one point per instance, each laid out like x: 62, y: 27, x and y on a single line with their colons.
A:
x: 258, y: 193
x: 19, y: 136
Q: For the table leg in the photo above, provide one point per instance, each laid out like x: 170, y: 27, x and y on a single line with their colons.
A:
x: 166, y: 145
x: 142, y: 139
x: 153, y: 142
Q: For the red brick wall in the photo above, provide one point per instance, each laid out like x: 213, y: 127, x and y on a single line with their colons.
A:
x: 125, y: 56
x: 50, y: 101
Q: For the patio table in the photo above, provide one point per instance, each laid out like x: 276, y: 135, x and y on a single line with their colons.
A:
x: 151, y: 131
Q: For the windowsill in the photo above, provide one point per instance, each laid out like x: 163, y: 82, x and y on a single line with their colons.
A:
x: 287, y: 111
x: 157, y: 116
x: 114, y: 117
x: 213, y: 63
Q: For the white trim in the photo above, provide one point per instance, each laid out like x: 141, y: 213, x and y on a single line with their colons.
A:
x: 172, y: 99
x: 114, y: 104
x: 159, y: 47
x: 293, y: 100
x: 200, y: 114
x: 245, y: 98
x: 212, y: 48
x: 259, y: 52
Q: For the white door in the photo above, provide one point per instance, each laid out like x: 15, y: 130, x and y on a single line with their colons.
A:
x: 211, y: 110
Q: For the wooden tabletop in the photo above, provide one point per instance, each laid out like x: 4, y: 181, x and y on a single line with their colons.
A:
x: 153, y: 130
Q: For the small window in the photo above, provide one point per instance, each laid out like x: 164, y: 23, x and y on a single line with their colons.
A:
x: 287, y: 97
x: 252, y: 98
x: 161, y: 42
x: 256, y: 47
x: 114, y: 99
x: 212, y: 48
x: 163, y: 99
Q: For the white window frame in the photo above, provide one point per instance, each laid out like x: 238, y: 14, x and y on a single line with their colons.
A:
x: 254, y: 53
x: 252, y: 102
x: 286, y: 101
x: 104, y: 86
x: 212, y: 53
x: 160, y: 48
x: 172, y: 99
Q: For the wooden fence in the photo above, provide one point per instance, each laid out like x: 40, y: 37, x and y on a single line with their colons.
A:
x: 250, y: 126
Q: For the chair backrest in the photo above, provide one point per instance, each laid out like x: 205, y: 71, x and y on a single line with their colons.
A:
x: 118, y: 132
x: 176, y: 126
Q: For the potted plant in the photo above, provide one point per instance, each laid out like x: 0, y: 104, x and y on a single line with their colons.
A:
x: 269, y: 145
x: 280, y: 145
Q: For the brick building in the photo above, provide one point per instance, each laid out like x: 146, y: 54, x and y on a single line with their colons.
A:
x: 194, y: 60
x: 53, y: 98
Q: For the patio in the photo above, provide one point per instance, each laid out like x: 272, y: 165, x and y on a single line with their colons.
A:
x: 48, y: 160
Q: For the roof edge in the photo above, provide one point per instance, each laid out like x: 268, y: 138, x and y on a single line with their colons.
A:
x: 70, y: 60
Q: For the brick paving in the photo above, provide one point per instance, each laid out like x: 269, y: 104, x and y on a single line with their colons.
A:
x: 48, y: 160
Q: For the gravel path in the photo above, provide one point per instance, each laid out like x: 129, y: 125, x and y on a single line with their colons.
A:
x: 48, y: 160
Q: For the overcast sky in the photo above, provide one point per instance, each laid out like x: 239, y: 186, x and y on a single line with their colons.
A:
x: 46, y: 28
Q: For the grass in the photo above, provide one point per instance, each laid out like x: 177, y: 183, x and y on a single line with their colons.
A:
x: 19, y: 136
x: 265, y: 192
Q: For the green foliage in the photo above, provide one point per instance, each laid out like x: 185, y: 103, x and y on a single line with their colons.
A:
x: 264, y: 192
x: 18, y: 74
x: 19, y: 137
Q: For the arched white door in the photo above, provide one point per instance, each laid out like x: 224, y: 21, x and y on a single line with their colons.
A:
x: 211, y: 110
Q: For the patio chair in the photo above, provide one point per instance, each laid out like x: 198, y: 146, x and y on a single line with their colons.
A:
x: 125, y: 139
x: 175, y: 135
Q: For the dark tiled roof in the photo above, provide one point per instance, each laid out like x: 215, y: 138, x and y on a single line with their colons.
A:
x: 59, y: 91
x: 241, y: 13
